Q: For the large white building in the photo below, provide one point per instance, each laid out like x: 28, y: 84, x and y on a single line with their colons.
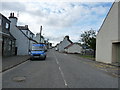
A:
x: 108, y: 37
x: 66, y: 41
x: 24, y: 38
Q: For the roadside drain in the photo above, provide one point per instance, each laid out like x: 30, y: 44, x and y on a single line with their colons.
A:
x: 19, y: 79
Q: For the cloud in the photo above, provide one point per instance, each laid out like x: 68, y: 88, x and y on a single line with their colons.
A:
x: 13, y: 6
x: 58, y: 19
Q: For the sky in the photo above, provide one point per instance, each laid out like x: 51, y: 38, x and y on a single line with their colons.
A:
x: 58, y: 19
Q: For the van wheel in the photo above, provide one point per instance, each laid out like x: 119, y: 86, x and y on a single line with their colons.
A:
x: 44, y: 58
x: 31, y: 59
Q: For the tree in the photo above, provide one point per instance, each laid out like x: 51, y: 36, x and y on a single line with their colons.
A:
x: 88, y: 38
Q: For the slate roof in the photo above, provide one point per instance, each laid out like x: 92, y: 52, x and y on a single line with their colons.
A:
x: 26, y: 35
x: 24, y: 28
x: 7, y: 34
x: 2, y: 16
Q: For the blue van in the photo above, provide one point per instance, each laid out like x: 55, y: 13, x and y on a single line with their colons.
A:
x: 38, y: 52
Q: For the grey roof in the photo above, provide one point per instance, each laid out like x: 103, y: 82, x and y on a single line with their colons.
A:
x: 26, y: 35
x: 24, y: 28
x: 9, y: 35
x: 2, y: 16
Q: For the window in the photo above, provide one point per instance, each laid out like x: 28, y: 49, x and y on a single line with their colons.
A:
x: 26, y: 32
x: 7, y: 25
x: 13, y: 44
x: 9, y: 45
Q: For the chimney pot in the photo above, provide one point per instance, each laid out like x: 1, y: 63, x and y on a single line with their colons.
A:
x: 10, y: 14
x: 13, y: 14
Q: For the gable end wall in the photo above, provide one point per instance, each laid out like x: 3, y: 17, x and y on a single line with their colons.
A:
x: 107, y: 34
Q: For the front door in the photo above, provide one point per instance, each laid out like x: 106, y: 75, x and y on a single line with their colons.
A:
x: 118, y: 53
x: 15, y: 50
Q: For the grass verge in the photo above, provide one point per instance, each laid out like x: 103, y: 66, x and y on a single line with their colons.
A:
x: 87, y: 56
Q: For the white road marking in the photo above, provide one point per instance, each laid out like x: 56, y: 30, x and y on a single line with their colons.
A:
x: 65, y: 83
x: 63, y: 76
x: 57, y: 62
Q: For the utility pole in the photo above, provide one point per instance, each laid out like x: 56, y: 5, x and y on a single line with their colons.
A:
x: 40, y: 33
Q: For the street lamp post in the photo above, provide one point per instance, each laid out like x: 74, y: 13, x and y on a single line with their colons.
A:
x: 40, y: 33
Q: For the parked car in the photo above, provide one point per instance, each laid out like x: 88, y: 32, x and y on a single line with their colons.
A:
x: 38, y: 52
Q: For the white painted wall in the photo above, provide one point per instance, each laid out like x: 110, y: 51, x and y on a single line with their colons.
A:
x: 22, y: 42
x: 75, y: 48
x: 13, y: 21
x: 29, y: 34
x: 107, y: 35
x: 63, y: 44
x: 31, y: 43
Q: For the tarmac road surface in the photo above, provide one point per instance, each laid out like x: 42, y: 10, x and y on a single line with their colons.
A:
x: 59, y: 70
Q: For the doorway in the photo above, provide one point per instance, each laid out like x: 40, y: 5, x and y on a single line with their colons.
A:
x: 116, y: 52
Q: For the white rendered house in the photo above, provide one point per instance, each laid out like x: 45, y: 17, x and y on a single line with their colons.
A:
x: 23, y: 42
x: 66, y: 41
x: 108, y: 37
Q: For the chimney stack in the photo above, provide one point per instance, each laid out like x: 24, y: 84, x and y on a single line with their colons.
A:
x: 26, y: 26
x: 13, y: 19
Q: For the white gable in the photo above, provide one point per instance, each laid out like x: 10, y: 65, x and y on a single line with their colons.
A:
x: 64, y: 44
x: 75, y: 48
x: 107, y: 35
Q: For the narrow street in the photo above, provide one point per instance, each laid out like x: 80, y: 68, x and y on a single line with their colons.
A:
x: 59, y: 70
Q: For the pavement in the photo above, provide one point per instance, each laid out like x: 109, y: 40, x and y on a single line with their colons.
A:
x: 111, y: 69
x: 12, y: 61
x: 59, y: 70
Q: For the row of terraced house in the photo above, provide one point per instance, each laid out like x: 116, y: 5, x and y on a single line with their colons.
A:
x: 15, y: 40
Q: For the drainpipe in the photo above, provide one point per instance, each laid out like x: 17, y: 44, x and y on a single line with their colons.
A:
x: 28, y: 46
